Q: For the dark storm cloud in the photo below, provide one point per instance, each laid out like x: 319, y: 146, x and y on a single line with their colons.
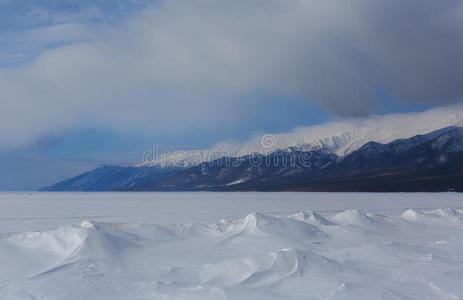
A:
x: 183, y: 63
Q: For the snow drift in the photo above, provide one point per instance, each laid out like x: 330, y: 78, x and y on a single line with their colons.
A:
x: 307, y: 255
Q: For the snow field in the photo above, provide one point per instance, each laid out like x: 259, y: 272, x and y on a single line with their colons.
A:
x: 350, y: 254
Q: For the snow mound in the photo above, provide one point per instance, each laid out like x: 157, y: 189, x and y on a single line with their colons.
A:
x: 411, y: 215
x: 446, y: 213
x: 257, y: 224
x: 305, y: 255
x: 358, y: 218
x: 311, y: 217
x: 440, y: 215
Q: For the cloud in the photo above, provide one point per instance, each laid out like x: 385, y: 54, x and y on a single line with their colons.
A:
x: 340, y: 137
x: 345, y: 136
x: 187, y: 64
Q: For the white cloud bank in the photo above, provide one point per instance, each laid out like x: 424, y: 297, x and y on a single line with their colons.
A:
x: 346, y: 136
x: 341, y: 137
x: 186, y: 64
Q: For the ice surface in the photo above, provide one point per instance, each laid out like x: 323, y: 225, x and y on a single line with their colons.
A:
x: 174, y: 246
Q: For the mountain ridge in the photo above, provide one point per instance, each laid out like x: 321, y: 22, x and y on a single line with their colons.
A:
x: 372, y: 167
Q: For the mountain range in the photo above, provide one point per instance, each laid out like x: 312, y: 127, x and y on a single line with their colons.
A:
x: 430, y: 162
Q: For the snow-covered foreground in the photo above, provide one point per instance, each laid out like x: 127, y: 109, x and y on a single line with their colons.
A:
x: 378, y: 251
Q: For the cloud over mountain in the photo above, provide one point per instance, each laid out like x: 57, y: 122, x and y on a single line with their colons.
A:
x: 176, y: 64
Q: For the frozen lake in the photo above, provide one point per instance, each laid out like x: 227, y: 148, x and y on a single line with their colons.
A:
x: 231, y: 246
x: 40, y: 211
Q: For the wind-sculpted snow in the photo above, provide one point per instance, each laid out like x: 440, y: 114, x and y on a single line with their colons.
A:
x: 413, y: 254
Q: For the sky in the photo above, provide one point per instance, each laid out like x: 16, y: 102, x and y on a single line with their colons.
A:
x: 87, y: 83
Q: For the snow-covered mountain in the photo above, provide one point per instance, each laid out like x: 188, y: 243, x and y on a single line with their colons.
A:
x: 344, y: 137
x: 324, y: 144
x: 430, y: 162
x: 340, y: 138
